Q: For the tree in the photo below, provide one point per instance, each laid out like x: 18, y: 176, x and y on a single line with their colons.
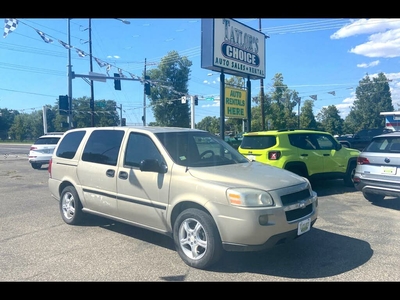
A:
x: 169, y: 84
x: 210, y: 124
x: 6, y: 120
x: 307, y: 119
x: 330, y: 120
x: 372, y: 98
x: 283, y: 101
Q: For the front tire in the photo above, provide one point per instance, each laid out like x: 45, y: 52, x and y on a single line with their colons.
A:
x: 196, y: 238
x: 71, y: 206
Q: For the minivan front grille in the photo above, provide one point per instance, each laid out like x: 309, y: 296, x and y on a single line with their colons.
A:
x: 295, y: 197
x: 295, y: 214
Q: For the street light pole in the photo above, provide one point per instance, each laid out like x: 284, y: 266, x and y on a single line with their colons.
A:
x: 70, y: 73
x: 91, y: 70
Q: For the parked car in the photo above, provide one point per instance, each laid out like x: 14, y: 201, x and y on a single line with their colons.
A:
x: 233, y: 141
x: 360, y: 139
x: 309, y: 153
x: 42, y: 149
x: 185, y: 183
x: 378, y: 168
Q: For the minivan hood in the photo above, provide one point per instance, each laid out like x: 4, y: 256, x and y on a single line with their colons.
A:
x: 260, y: 175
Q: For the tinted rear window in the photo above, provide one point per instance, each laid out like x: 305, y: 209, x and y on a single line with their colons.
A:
x: 384, y: 145
x: 70, y: 144
x: 47, y: 141
x: 103, y: 147
x: 258, y: 141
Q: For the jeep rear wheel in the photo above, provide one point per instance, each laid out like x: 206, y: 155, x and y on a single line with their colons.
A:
x: 348, y: 178
x: 196, y: 238
x: 299, y: 170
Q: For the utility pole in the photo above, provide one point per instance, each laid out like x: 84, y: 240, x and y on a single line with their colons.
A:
x: 144, y: 95
x: 91, y: 70
x: 69, y: 66
x: 262, y: 91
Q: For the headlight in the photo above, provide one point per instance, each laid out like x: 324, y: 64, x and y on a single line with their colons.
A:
x: 249, y: 197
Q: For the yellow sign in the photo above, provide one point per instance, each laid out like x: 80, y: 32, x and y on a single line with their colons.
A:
x: 235, y: 103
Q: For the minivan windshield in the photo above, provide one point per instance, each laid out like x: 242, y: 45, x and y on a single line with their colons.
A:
x: 199, y: 149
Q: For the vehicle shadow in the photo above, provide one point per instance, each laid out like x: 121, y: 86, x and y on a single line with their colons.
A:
x: 129, y: 230
x: 331, y: 187
x: 317, y: 254
x: 388, y: 202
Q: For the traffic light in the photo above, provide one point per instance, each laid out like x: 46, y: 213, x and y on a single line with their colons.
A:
x: 117, y: 82
x: 63, y: 105
x: 123, y: 122
x: 147, y: 85
x: 196, y: 100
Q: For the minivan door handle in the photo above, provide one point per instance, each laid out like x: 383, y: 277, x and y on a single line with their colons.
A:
x: 110, y: 173
x: 123, y: 175
x: 326, y: 154
x: 304, y: 154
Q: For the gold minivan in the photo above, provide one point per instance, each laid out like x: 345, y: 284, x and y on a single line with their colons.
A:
x: 185, y: 183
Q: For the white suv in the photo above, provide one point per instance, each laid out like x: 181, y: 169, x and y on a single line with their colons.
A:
x: 41, y: 151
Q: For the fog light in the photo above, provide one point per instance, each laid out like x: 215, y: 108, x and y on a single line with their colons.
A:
x: 263, y: 220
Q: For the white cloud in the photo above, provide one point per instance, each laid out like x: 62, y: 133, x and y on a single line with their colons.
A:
x: 386, y: 44
x: 366, y: 26
x: 383, y: 39
x: 371, y: 64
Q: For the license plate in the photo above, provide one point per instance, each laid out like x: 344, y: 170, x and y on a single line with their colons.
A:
x: 251, y: 157
x: 388, y: 170
x: 303, y: 226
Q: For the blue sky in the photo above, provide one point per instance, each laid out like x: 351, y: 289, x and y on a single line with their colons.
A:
x: 315, y: 57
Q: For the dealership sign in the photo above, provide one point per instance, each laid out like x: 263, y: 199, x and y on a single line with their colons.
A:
x: 232, y: 47
x: 235, y: 103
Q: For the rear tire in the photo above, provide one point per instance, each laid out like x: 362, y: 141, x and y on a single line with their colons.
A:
x: 70, y: 206
x: 348, y: 178
x: 373, y: 197
x: 299, y: 170
x: 197, y: 239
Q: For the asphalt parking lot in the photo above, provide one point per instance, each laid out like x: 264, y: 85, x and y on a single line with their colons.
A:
x: 352, y: 240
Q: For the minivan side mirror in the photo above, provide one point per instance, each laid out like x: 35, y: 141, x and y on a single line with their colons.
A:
x: 153, y: 165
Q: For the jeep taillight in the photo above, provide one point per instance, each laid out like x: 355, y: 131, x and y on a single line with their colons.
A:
x: 362, y: 160
x: 274, y: 155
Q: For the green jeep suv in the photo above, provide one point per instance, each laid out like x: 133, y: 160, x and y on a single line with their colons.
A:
x: 309, y: 153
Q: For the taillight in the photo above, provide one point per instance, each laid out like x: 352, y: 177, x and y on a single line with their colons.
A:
x: 49, y: 167
x: 362, y: 160
x: 33, y: 148
x: 274, y: 155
